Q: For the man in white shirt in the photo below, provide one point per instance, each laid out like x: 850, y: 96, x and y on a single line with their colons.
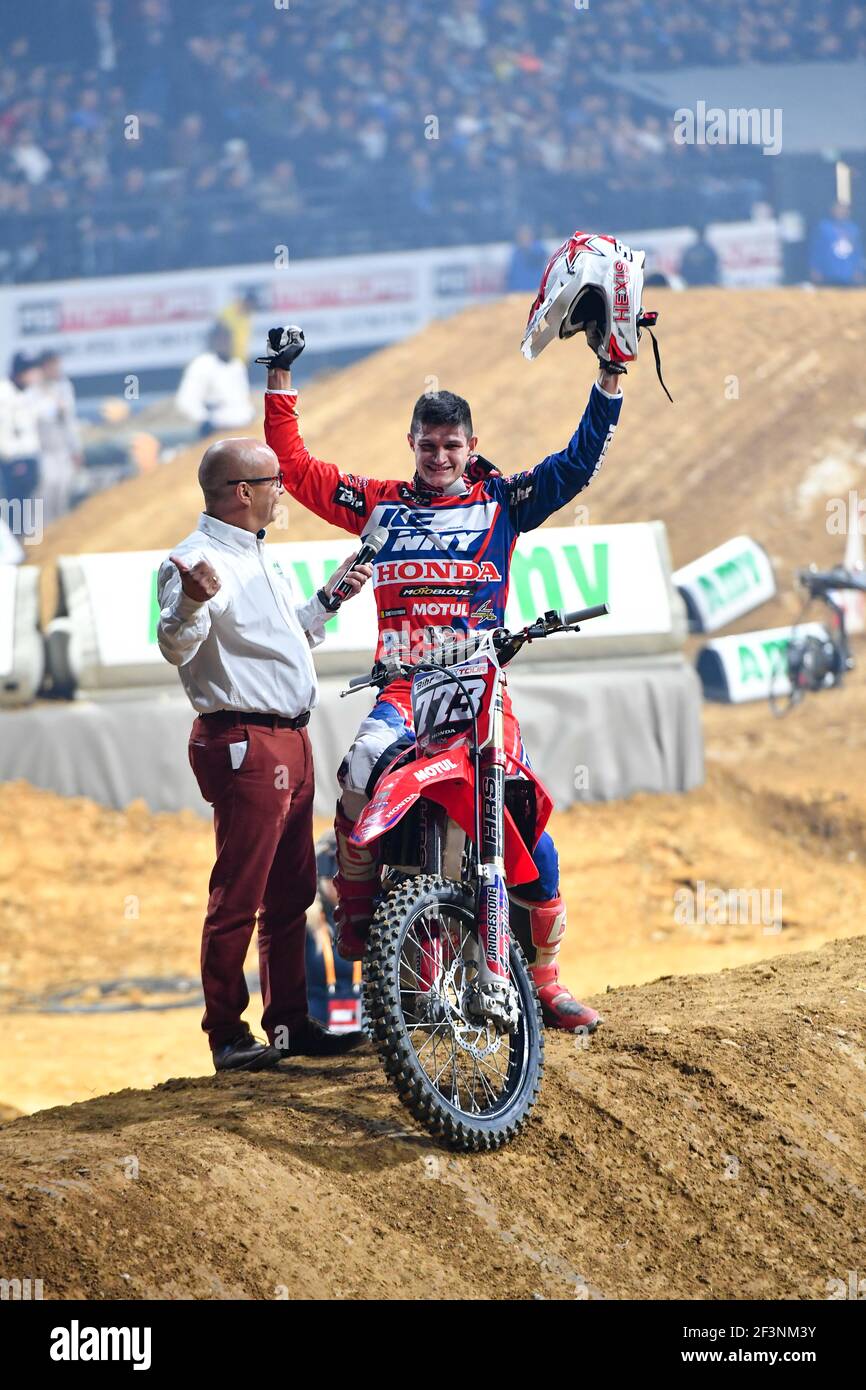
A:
x: 214, y: 390
x: 230, y: 621
x: 19, y: 430
x: 59, y: 436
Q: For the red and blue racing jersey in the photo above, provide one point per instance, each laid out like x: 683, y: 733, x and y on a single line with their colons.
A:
x: 426, y: 591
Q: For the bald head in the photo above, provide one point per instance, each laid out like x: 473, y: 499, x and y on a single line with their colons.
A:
x: 224, y: 476
x: 234, y: 458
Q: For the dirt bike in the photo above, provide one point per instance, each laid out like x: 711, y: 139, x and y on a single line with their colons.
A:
x: 448, y: 996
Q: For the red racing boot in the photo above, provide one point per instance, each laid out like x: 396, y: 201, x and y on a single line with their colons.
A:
x: 559, y: 1007
x: 357, y: 885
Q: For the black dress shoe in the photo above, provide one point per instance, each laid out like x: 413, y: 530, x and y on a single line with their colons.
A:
x: 244, y: 1053
x: 310, y: 1039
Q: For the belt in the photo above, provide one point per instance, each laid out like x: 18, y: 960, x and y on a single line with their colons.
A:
x: 271, y: 721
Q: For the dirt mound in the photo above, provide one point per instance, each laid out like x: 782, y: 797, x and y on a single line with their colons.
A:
x: 708, y: 1144
x: 759, y: 438
x: 89, y: 895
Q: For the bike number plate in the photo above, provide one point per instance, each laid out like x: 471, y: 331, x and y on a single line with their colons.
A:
x: 443, y: 707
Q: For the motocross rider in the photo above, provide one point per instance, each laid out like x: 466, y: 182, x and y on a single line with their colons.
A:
x: 476, y: 514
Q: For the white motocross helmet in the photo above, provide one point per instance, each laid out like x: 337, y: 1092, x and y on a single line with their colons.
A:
x: 590, y: 279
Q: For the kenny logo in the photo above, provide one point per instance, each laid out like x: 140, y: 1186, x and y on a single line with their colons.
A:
x: 433, y: 769
x: 451, y: 524
x: 455, y: 540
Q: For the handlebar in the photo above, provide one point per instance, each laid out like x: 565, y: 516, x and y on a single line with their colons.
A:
x: 583, y: 615
x: 821, y: 582
x: 506, y: 643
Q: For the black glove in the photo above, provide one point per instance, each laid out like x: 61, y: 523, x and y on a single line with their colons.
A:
x: 594, y: 341
x: 284, y: 345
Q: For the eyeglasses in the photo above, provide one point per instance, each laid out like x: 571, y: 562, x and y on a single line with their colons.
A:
x: 275, y: 481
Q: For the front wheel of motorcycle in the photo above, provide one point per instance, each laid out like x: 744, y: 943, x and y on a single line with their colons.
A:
x: 468, y: 1082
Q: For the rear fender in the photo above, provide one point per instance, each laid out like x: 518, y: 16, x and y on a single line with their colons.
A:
x: 543, y: 799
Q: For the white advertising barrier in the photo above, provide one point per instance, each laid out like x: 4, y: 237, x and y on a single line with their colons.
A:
x: 111, y: 601
x: 750, y: 665
x: 22, y: 652
x: 128, y: 324
x: 725, y: 583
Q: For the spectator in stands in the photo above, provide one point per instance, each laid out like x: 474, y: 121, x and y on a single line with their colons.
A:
x: 521, y: 120
x: 333, y: 984
x: 214, y: 390
x: 836, y: 256
x: 278, y: 193
x: 59, y: 436
x: 191, y: 151
x: 19, y: 430
x: 700, y: 262
x: 237, y: 317
x: 29, y: 158
x: 235, y: 168
x: 527, y: 263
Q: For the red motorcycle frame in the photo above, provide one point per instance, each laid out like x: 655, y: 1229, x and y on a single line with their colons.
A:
x: 460, y: 766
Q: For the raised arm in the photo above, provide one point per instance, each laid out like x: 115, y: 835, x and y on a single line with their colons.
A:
x: 535, y: 495
x: 341, y: 498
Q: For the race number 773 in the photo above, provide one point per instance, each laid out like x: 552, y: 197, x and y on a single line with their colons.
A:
x: 444, y: 703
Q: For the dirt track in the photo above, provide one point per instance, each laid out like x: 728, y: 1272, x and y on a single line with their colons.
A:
x: 709, y: 1144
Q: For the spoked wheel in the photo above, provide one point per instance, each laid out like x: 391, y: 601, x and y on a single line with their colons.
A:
x: 464, y: 1079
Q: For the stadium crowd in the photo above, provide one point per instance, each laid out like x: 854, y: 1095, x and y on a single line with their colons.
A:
x: 151, y: 134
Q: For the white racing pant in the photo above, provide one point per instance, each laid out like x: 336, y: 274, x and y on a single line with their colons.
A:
x: 380, y: 731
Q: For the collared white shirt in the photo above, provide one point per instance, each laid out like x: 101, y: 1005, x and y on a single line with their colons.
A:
x: 58, y: 426
x: 248, y: 647
x: 19, y: 422
x: 217, y: 391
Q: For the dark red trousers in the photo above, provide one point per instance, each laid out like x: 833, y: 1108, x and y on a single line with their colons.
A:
x: 266, y: 864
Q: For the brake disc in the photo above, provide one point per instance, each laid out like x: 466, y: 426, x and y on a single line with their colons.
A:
x: 466, y: 1030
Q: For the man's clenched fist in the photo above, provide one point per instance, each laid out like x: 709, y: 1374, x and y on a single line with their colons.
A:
x: 284, y: 346
x: 199, y: 582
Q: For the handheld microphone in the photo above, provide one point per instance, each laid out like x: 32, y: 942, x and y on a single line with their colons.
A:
x: 371, y: 547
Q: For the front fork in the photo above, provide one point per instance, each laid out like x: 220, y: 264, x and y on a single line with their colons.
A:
x: 491, y: 998
x: 496, y: 1000
x: 431, y: 837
